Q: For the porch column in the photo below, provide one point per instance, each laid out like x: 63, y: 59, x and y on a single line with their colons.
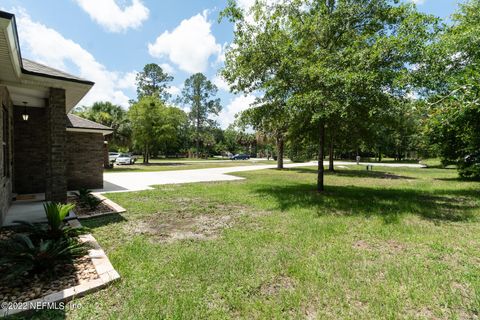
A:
x: 56, y: 173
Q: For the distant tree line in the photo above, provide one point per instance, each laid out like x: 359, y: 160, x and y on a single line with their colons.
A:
x: 154, y: 126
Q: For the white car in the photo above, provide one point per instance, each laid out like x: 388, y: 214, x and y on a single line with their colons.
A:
x: 112, y: 156
x: 125, y: 158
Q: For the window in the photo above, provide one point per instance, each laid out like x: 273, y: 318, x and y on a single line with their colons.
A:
x: 5, y: 140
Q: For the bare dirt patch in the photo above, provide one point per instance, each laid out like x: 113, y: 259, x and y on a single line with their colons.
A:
x: 169, y: 229
x: 279, y: 283
x: 389, y: 247
x: 190, y: 219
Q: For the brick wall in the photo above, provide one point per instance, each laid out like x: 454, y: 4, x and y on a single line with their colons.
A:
x: 85, y: 152
x: 56, y: 170
x: 30, y: 146
x: 5, y: 181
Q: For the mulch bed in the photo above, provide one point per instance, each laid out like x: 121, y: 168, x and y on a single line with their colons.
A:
x: 82, y: 212
x: 73, y: 273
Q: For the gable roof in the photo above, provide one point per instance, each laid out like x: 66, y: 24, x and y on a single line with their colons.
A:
x: 20, y: 75
x: 38, y: 69
x: 76, y: 123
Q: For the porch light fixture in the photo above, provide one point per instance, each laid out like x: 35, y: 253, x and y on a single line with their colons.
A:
x: 25, y: 114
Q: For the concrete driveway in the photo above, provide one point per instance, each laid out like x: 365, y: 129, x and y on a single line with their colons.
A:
x: 136, y: 181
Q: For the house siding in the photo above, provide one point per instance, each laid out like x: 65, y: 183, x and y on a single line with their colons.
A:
x: 85, y: 153
x: 6, y: 181
x: 30, y: 151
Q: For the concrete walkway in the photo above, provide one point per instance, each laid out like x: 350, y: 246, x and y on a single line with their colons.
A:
x: 136, y: 181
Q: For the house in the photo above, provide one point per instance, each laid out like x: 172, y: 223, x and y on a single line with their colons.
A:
x: 45, y: 149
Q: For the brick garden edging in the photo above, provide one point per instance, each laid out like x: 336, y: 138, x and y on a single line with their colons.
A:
x: 104, y: 268
x: 115, y: 208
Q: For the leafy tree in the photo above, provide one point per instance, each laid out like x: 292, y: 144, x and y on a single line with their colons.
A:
x: 153, y: 81
x: 332, y: 59
x: 259, y: 60
x: 452, y: 82
x: 113, y: 116
x: 199, y: 93
x: 270, y: 120
x: 156, y: 127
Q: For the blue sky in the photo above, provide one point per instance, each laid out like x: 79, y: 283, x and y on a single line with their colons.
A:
x: 108, y: 41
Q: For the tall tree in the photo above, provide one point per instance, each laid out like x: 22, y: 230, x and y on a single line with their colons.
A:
x: 155, y: 126
x: 331, y: 57
x: 199, y: 93
x: 259, y: 60
x: 452, y: 80
x: 269, y: 119
x: 113, y: 116
x: 153, y: 81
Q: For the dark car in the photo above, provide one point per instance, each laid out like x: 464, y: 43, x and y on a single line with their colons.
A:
x: 240, y: 157
x: 472, y: 159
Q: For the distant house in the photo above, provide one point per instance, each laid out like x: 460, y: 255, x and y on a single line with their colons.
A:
x: 45, y: 150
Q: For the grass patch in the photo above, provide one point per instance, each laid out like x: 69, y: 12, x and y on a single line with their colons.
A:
x: 392, y: 243
x: 164, y: 165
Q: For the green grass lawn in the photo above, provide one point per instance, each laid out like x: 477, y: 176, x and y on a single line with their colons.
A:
x: 388, y: 244
x: 164, y: 165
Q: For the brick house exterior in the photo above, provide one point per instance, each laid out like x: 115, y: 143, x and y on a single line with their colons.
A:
x: 50, y: 151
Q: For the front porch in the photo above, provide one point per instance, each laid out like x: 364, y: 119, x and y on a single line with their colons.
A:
x: 28, y: 208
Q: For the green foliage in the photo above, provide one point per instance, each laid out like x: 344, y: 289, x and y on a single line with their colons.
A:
x: 92, y: 202
x: 153, y: 82
x: 25, y: 256
x: 112, y: 116
x: 87, y: 199
x: 56, y: 213
x: 199, y: 93
x: 324, y: 63
x: 451, y: 80
x: 156, y: 126
x: 300, y: 152
x: 82, y: 194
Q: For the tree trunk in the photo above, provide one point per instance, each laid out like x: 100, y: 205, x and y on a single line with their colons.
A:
x: 146, y: 154
x: 331, y: 168
x: 321, y: 154
x: 280, y: 147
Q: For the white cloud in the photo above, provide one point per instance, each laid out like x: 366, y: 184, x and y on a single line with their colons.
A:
x: 189, y: 45
x: 221, y: 83
x: 167, y: 68
x: 418, y: 1
x: 236, y: 105
x: 38, y: 40
x: 174, y: 90
x: 128, y: 81
x: 108, y: 14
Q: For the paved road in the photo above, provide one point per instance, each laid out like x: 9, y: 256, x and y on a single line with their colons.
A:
x: 136, y: 181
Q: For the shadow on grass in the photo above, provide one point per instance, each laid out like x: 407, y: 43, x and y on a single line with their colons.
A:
x: 101, y: 221
x: 389, y: 204
x: 356, y: 174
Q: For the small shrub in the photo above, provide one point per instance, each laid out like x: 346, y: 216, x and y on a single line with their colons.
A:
x: 469, y: 171
x: 56, y: 213
x: 92, y: 202
x: 24, y: 255
x: 83, y: 194
x: 87, y: 199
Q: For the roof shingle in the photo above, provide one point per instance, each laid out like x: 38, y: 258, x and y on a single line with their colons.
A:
x: 77, y: 122
x: 38, y: 68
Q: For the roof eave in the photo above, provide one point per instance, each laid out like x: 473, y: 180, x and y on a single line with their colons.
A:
x: 38, y: 74
x: 104, y: 132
